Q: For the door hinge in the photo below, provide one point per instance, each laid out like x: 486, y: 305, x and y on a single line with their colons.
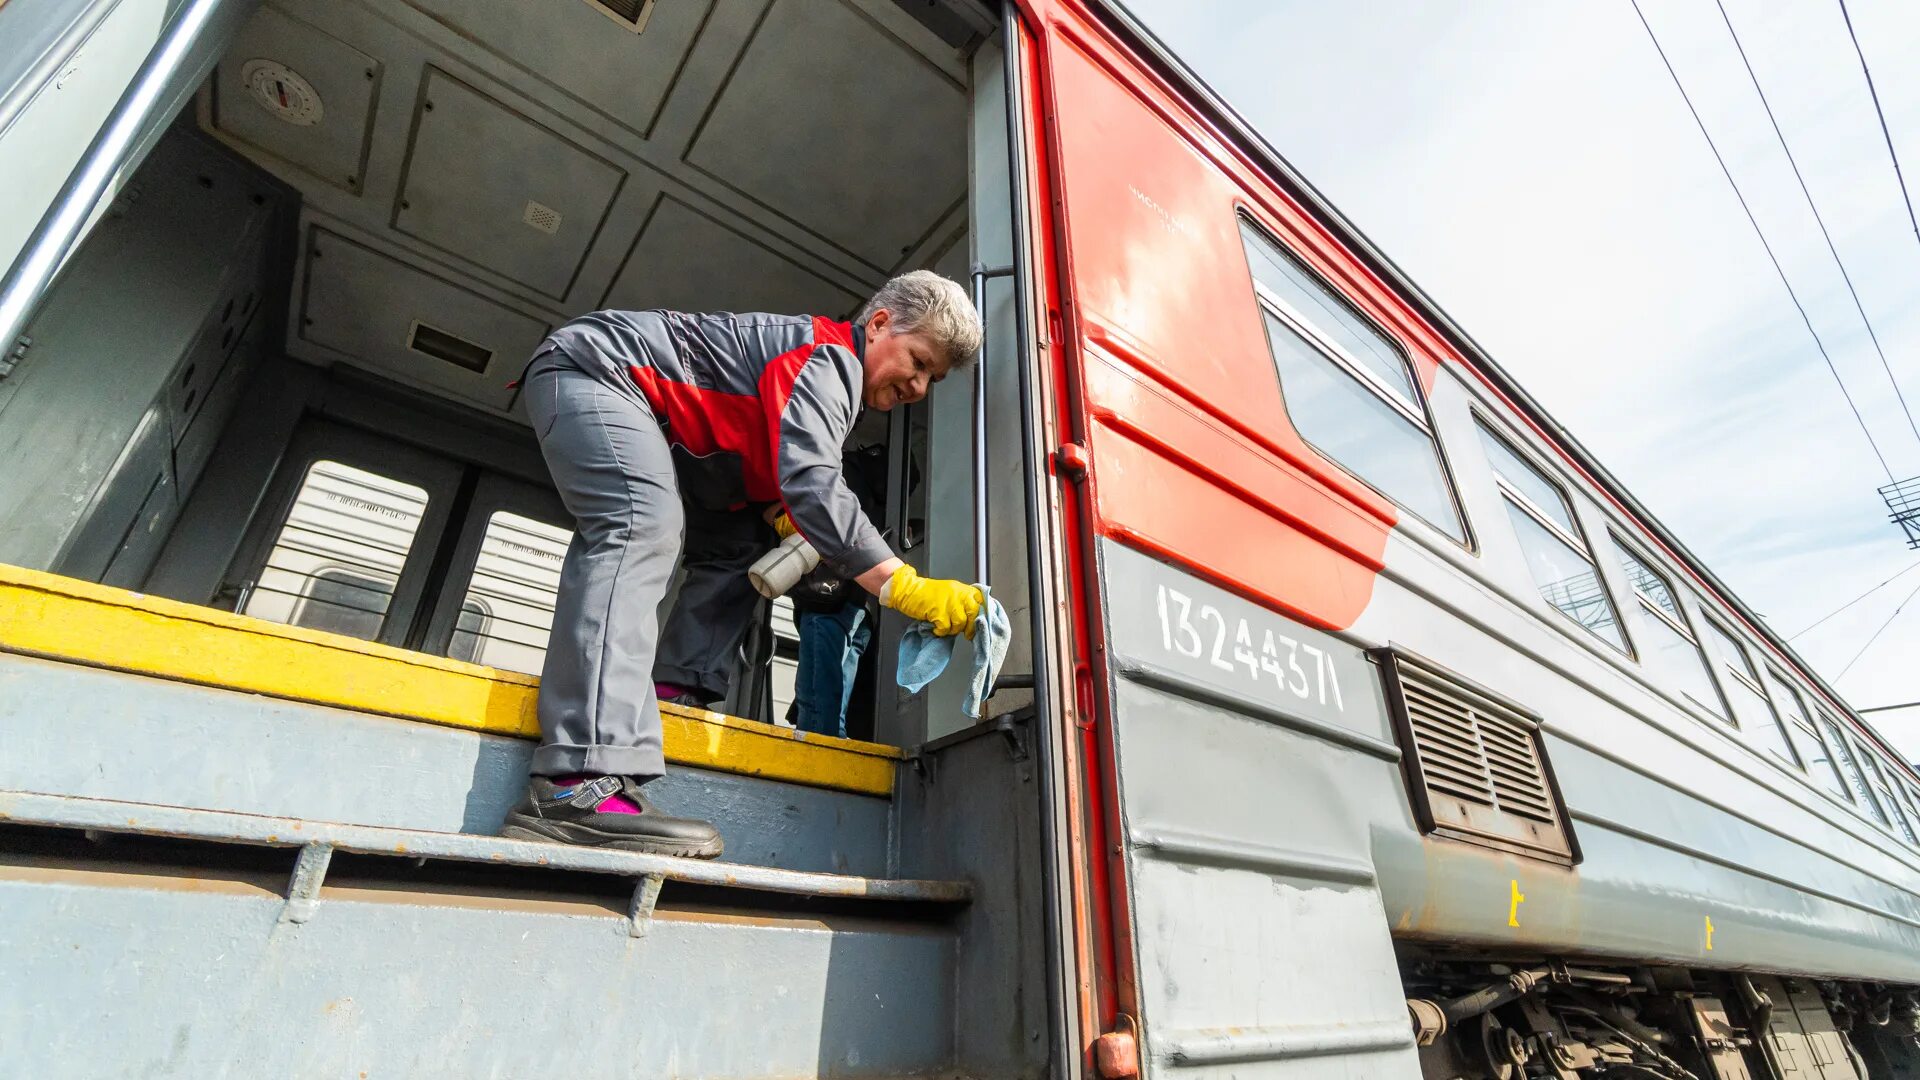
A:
x: 1071, y: 461
x: 15, y: 355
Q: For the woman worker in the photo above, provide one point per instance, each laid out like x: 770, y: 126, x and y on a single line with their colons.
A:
x: 636, y: 411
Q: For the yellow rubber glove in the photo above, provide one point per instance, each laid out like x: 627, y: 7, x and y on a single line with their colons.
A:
x: 949, y: 606
x: 783, y: 525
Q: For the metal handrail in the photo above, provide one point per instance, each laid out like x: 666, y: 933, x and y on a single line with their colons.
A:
x: 111, y: 150
x: 981, y: 273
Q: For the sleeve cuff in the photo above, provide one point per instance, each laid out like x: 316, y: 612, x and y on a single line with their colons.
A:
x: 861, y: 557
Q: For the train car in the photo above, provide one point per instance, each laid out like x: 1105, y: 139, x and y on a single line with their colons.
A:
x: 1357, y: 722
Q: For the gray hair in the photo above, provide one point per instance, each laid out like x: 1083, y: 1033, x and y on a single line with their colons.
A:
x: 922, y: 302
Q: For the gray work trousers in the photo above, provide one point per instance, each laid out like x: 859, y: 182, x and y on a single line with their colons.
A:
x: 614, y: 471
x: 612, y: 464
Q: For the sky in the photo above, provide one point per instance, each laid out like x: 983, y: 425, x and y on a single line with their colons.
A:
x: 1533, y: 168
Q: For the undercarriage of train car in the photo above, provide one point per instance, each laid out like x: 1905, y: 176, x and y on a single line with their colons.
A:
x: 1475, y: 1018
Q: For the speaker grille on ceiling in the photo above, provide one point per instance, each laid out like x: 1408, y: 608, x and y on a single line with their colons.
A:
x: 628, y: 13
x: 542, y: 217
x: 1476, y: 766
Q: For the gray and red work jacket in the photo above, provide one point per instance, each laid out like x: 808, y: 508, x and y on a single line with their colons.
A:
x: 756, y: 408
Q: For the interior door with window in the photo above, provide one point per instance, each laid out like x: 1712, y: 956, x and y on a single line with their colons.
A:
x: 495, y: 604
x: 375, y: 539
x: 346, y: 535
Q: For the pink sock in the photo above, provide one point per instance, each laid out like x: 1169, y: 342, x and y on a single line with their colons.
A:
x: 665, y: 690
x: 616, y: 803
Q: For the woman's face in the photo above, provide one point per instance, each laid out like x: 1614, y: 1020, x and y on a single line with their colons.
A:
x: 900, y: 368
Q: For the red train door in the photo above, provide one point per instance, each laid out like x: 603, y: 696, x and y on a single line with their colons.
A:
x: 1236, y: 748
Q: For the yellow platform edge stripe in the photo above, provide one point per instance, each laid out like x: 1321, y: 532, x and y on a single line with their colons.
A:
x: 80, y: 622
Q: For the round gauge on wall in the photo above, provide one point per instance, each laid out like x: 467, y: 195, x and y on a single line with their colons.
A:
x: 281, y: 91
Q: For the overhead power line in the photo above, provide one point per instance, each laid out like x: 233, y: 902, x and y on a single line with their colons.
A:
x: 1884, y: 133
x: 1876, y: 634
x: 1771, y: 257
x: 1809, y: 629
x: 1824, y: 234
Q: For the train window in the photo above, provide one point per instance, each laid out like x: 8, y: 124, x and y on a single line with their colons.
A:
x: 467, y: 632
x: 338, y: 556
x: 1819, y: 760
x: 343, y: 602
x: 1751, y: 708
x: 1666, y: 644
x: 507, y: 614
x: 1842, y: 752
x: 1877, y: 777
x: 1349, y: 392
x: 1786, y: 704
x: 1913, y: 803
x: 1557, y: 556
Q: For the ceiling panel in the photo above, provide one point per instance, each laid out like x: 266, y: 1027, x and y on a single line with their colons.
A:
x: 576, y: 49
x: 684, y: 260
x: 840, y: 126
x: 494, y: 186
x: 372, y: 308
x: 318, y: 118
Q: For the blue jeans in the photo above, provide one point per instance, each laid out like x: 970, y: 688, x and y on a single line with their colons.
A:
x: 831, y: 644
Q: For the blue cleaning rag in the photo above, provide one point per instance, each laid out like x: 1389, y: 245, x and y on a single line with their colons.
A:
x: 923, y: 656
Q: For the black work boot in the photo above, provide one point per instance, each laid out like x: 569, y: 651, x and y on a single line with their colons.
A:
x: 569, y: 814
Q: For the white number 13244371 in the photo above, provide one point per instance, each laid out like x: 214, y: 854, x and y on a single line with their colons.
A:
x: 1202, y: 632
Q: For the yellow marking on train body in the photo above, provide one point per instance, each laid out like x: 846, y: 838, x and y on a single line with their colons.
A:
x: 1513, y: 908
x: 80, y: 622
x: 1709, y: 933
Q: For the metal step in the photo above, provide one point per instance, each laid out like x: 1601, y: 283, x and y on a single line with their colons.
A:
x: 319, y: 840
x: 92, y: 733
x: 160, y: 941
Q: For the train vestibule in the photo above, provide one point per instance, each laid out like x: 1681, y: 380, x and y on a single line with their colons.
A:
x: 288, y: 553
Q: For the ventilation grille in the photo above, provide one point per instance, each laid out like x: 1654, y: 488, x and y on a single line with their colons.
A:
x: 631, y: 14
x: 1476, y: 768
x: 441, y: 345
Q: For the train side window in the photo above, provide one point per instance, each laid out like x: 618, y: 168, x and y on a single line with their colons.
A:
x: 1348, y: 389
x: 507, y: 615
x: 1842, y: 752
x: 1806, y: 749
x: 1877, y: 777
x: 1913, y: 804
x: 1751, y: 707
x: 1666, y: 643
x: 1550, y: 538
x: 338, y: 555
x: 1820, y: 760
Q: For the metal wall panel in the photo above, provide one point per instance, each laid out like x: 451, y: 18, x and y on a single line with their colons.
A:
x: 684, y: 260
x: 762, y: 136
x: 98, y: 734
x: 572, y: 50
x: 182, y: 236
x: 1250, y: 795
x: 347, y: 81
x: 365, y: 304
x: 495, y: 186
x: 202, y: 974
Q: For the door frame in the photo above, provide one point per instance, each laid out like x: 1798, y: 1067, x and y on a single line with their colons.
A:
x: 491, y: 493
